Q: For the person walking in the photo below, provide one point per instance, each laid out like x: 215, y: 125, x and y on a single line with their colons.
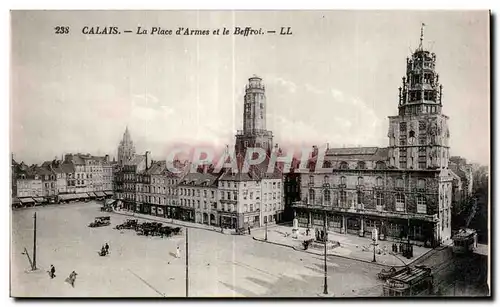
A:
x: 249, y: 230
x: 107, y: 248
x: 71, y: 279
x: 178, y: 252
x: 52, y: 271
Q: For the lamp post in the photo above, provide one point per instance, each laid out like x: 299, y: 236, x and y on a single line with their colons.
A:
x: 34, y: 242
x: 325, y: 285
x: 266, y: 231
x: 374, y: 242
x: 187, y: 264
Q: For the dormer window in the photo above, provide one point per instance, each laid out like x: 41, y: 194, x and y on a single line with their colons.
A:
x: 361, y: 165
x: 343, y: 165
x: 380, y: 165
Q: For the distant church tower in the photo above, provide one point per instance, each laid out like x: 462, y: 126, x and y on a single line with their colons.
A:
x: 126, y: 149
x: 419, y: 135
x: 254, y: 133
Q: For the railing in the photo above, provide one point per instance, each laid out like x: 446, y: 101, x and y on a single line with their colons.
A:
x: 254, y: 132
x: 375, y: 212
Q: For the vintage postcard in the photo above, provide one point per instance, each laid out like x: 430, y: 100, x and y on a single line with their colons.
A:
x: 318, y: 154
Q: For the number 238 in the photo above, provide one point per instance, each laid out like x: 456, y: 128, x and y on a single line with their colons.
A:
x: 61, y: 30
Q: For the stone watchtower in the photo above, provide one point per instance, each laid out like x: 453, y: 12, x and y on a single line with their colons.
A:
x: 418, y: 136
x: 254, y: 133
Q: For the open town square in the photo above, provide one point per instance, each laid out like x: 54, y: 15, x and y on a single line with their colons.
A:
x: 220, y: 264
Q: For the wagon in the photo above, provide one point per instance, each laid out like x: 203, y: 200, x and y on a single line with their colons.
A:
x: 101, y: 221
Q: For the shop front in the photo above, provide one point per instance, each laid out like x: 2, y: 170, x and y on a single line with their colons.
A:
x: 251, y: 220
x: 186, y: 214
x: 228, y: 221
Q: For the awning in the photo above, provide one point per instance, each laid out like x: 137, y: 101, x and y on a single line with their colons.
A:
x: 68, y: 196
x: 100, y: 194
x: 39, y: 199
x: 82, y: 195
x: 26, y: 200
x: 15, y: 200
x: 108, y: 193
x: 109, y: 202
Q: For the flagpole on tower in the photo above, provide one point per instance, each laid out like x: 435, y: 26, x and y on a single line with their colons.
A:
x: 422, y: 36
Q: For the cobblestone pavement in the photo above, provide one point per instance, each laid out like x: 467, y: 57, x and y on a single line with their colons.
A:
x: 138, y: 266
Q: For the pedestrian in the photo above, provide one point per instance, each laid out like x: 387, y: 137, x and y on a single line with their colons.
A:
x: 178, y: 252
x: 71, y: 279
x: 103, y: 251
x: 307, y: 232
x: 249, y: 230
x: 107, y: 248
x: 52, y: 272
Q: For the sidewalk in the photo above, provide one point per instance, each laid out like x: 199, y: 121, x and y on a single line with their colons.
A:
x: 351, y: 246
x: 173, y: 222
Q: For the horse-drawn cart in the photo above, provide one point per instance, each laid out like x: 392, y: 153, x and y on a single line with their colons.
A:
x: 101, y: 221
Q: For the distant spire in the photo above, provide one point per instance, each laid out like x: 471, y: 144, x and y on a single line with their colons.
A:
x: 421, y: 36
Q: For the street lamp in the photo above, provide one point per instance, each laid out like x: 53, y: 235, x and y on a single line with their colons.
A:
x: 266, y: 230
x: 374, y: 243
x: 325, y: 239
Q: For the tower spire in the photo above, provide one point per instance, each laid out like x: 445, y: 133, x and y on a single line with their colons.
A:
x: 421, y: 36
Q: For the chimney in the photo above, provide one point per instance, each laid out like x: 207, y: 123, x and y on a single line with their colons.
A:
x: 315, y: 151
x: 106, y: 158
x: 148, y: 159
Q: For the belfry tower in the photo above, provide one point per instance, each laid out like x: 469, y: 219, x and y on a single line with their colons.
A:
x: 254, y: 133
x: 126, y: 149
x: 419, y: 135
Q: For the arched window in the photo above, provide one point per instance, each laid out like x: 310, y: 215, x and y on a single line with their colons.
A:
x: 421, y: 204
x: 311, y: 196
x: 342, y: 180
x: 326, y: 197
x: 400, y: 202
x: 360, y: 195
x: 342, y: 198
x: 327, y: 164
x: 361, y: 181
x: 399, y: 183
x: 421, y: 184
x: 380, y: 182
x: 361, y: 165
x: 343, y: 165
x: 311, y: 179
x: 326, y: 179
x: 380, y: 165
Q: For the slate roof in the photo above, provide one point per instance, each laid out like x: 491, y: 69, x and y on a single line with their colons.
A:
x: 68, y: 168
x: 137, y: 159
x: 199, y: 179
x: 157, y: 168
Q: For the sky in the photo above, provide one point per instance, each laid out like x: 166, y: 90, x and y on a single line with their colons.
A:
x: 334, y: 80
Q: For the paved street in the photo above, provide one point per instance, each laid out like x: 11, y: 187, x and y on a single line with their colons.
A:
x: 219, y: 265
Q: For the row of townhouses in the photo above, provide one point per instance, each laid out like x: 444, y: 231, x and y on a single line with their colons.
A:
x: 78, y: 176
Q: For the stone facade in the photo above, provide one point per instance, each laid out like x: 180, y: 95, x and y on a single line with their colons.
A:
x: 404, y: 190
